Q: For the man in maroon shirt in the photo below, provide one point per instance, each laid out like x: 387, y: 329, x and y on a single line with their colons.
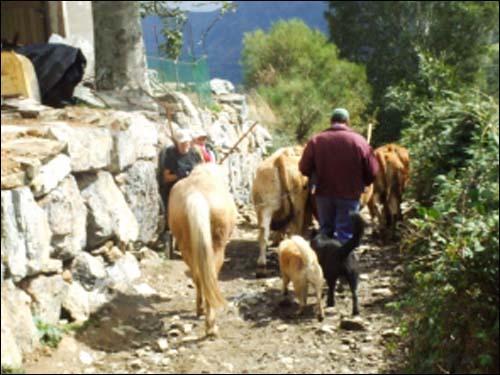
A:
x: 341, y: 163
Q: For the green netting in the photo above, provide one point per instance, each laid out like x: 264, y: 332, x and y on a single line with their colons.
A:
x: 187, y: 76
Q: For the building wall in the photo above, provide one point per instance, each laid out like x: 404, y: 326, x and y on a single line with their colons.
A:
x: 79, y: 30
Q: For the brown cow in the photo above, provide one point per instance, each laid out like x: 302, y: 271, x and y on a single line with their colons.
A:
x: 202, y: 215
x: 404, y: 158
x: 280, y: 194
x: 389, y: 185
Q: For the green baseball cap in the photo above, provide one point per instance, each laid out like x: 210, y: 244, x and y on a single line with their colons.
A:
x: 340, y: 114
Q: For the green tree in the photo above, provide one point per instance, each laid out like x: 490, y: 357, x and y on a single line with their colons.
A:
x: 301, y: 75
x: 174, y: 20
x: 450, y: 311
x: 387, y: 36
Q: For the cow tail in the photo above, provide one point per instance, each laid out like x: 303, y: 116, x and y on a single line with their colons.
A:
x: 198, y: 213
x: 280, y: 224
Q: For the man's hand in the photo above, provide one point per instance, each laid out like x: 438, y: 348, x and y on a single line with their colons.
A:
x: 169, y: 177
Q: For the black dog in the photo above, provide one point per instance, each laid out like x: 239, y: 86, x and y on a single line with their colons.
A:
x: 339, y: 260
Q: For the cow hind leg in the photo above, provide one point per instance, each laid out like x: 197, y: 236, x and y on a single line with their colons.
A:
x: 199, y: 299
x: 286, y: 281
x: 264, y: 223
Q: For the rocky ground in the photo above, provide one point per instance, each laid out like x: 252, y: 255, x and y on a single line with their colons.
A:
x: 154, y: 328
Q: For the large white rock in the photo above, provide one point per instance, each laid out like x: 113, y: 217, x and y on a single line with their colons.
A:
x: 223, y: 133
x: 48, y: 293
x: 89, y: 271
x: 221, y: 86
x: 189, y: 109
x: 50, y: 175
x: 206, y: 118
x: 123, y: 272
x: 76, y: 302
x: 23, y: 156
x: 140, y: 188
x: 19, y: 334
x: 88, y: 147
x: 232, y: 99
x: 25, y: 234
x: 67, y: 216
x: 108, y: 213
x: 12, y: 356
x: 134, y: 137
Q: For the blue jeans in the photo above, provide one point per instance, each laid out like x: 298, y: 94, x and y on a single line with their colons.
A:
x: 334, y: 216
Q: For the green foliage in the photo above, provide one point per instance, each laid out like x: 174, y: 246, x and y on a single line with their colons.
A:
x: 301, y: 76
x: 388, y: 37
x: 280, y: 139
x: 460, y: 32
x: 440, y: 123
x: 491, y: 72
x: 10, y: 370
x: 450, y: 313
x: 215, y: 108
x: 49, y: 334
x: 377, y: 33
x: 433, y: 80
x: 174, y: 20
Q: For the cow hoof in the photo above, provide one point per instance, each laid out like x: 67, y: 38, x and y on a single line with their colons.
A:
x: 261, y: 272
x: 212, y: 333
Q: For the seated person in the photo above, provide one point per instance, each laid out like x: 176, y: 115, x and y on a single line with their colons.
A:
x: 200, y: 145
x: 178, y: 161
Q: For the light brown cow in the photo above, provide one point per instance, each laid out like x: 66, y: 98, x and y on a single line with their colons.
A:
x: 280, y: 194
x: 404, y: 158
x: 389, y: 185
x: 202, y: 215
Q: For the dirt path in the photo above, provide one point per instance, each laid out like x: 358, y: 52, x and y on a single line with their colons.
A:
x: 258, y: 332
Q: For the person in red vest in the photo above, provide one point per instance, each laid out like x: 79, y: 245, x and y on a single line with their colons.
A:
x: 200, y: 137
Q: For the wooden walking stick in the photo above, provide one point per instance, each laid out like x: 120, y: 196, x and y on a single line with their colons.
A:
x: 238, y: 142
x: 369, y: 134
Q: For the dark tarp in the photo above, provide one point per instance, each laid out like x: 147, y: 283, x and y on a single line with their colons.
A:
x: 59, y: 68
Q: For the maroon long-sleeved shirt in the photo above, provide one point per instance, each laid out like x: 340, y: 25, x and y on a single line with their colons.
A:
x: 342, y: 161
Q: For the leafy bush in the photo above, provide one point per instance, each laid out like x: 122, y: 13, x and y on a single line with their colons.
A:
x: 451, y: 316
x: 300, y: 74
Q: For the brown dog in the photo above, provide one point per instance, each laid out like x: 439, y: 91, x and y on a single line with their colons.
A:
x: 299, y: 264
